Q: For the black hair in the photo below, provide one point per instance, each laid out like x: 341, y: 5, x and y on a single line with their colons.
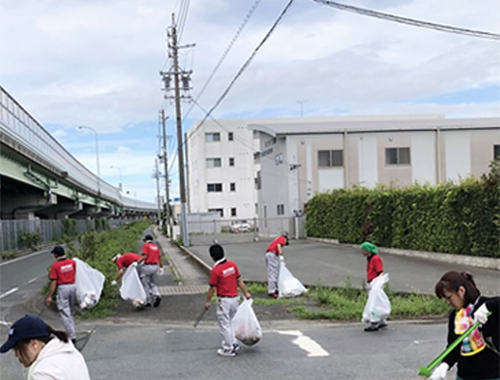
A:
x: 452, y: 281
x: 216, y: 252
x: 61, y: 335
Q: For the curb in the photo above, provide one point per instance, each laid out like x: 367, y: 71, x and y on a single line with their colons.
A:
x: 195, y: 258
x: 479, y: 262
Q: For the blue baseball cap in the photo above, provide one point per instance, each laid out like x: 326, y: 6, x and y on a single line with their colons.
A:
x: 28, y: 327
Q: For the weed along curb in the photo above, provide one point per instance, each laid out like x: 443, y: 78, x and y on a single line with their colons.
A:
x: 344, y: 303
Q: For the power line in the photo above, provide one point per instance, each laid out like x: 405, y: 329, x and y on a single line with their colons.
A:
x: 410, y: 21
x: 245, y: 65
x: 226, y: 52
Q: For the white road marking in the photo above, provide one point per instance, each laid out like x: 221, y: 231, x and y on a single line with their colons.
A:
x: 32, y: 280
x: 304, y: 342
x: 3, y: 323
x: 9, y: 292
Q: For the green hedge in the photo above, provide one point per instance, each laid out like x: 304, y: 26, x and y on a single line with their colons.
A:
x: 453, y: 218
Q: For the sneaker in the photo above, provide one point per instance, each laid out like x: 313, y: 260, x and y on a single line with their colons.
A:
x: 222, y: 352
x: 157, y: 301
x: 273, y: 295
x: 382, y: 324
x: 372, y: 327
x: 236, y: 347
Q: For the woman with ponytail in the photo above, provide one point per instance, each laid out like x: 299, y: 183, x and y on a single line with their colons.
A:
x: 478, y: 356
x: 47, y: 353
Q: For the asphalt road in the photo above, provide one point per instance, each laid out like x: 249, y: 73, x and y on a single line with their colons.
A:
x: 286, y: 351
x: 316, y: 263
x: 160, y: 343
x: 18, y: 272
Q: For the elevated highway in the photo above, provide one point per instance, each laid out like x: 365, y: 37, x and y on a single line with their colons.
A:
x: 39, y: 178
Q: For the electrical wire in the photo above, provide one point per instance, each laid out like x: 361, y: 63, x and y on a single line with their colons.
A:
x: 245, y: 65
x: 410, y: 21
x: 224, y: 55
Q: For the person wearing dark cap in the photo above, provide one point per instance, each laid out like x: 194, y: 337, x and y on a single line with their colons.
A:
x: 47, y: 352
x: 374, y: 269
x: 224, y: 281
x: 62, y: 276
x: 151, y: 257
x: 274, y: 254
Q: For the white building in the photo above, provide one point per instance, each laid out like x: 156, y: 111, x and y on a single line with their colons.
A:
x: 221, y: 170
x: 299, y: 157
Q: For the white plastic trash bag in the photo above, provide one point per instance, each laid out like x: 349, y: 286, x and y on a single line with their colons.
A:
x: 89, y: 283
x: 245, y: 324
x: 288, y: 285
x: 378, y: 306
x: 131, y: 288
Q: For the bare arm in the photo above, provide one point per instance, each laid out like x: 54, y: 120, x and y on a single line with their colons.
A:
x: 52, y: 288
x: 279, y: 248
x: 243, y: 288
x: 210, y: 294
x: 119, y: 274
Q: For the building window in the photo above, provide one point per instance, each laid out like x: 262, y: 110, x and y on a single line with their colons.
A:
x: 214, y: 162
x: 232, y: 186
x: 280, y: 209
x: 258, y: 181
x: 231, y: 161
x: 219, y: 210
x: 496, y: 151
x: 214, y: 187
x: 233, y: 211
x: 215, y: 136
x: 330, y: 158
x: 230, y: 136
x: 278, y: 159
x: 397, y: 156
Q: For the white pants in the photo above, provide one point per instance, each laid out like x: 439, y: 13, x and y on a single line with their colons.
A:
x: 272, y: 264
x: 226, y: 309
x: 66, y: 299
x: 148, y: 274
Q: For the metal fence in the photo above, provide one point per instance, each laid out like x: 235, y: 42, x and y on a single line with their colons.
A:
x: 225, y: 231
x: 48, y: 230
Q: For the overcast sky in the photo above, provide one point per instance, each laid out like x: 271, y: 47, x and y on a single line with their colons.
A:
x: 97, y: 63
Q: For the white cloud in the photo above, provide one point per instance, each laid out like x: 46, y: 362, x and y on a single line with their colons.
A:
x: 96, y: 63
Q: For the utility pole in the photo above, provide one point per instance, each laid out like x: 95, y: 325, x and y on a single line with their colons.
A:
x: 174, y: 72
x: 180, y: 151
x: 158, y: 197
x: 167, y: 181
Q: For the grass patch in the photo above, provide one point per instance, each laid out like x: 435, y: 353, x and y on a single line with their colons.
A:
x: 97, y: 249
x: 347, y: 303
x: 8, y: 255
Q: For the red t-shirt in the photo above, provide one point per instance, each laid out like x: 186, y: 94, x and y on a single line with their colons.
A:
x: 224, y: 277
x: 63, y: 271
x: 374, y: 267
x: 126, y: 259
x: 273, y: 247
x: 152, y: 253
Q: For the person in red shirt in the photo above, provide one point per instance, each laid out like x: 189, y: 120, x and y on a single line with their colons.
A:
x: 224, y: 281
x: 151, y: 257
x: 374, y: 269
x: 62, y: 276
x: 122, y: 262
x: 274, y: 254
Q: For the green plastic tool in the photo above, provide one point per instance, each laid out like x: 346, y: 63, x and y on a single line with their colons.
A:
x: 427, y: 371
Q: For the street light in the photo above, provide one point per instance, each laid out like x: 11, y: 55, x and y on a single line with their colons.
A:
x: 120, y: 187
x: 97, y: 157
